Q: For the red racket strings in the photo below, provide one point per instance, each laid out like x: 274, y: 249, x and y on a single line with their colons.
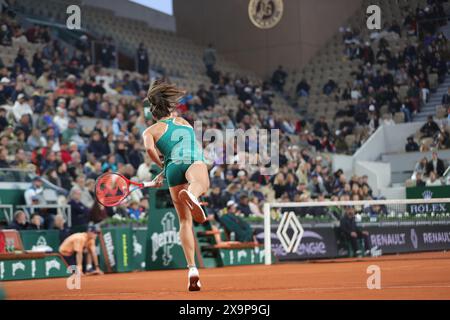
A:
x: 111, y: 189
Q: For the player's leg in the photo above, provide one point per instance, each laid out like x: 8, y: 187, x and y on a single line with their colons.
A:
x: 198, y: 181
x: 198, y: 178
x: 186, y: 235
x: 88, y: 261
x: 185, y: 218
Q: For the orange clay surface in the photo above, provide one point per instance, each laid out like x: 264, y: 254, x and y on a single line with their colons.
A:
x: 408, y: 276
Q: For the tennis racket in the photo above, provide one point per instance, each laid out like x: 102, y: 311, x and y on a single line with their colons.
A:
x: 111, y: 188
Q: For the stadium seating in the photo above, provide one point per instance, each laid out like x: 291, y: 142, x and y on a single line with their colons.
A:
x: 330, y: 61
x: 179, y: 57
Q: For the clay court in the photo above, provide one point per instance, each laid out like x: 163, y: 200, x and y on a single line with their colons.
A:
x: 409, y: 276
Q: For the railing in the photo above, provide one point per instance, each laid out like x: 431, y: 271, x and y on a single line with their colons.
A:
x: 7, y: 207
x: 66, y: 211
x: 15, y: 175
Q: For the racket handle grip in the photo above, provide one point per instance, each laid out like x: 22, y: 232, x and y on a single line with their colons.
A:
x: 148, y: 184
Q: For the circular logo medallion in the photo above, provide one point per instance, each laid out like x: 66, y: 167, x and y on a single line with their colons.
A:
x: 265, y: 14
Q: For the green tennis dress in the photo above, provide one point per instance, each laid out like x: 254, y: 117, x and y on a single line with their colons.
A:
x: 180, y: 149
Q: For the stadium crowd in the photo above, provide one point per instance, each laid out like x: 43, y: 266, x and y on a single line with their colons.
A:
x: 47, y: 104
x: 389, y: 80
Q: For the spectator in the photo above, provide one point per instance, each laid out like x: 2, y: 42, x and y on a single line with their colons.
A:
x: 435, y: 165
x: 64, y: 179
x: 4, y: 163
x: 278, y: 185
x: 85, y: 197
x: 71, y: 133
x: 80, y: 213
x: 3, y: 121
x: 209, y: 59
x: 110, y: 164
x: 36, y: 140
x: 411, y: 145
x: 244, y: 206
x: 144, y: 171
x: 97, y: 146
x: 321, y: 128
x: 235, y: 225
x: 20, y: 160
x: 442, y: 139
x: 20, y: 221
x: 90, y: 105
x: 35, y: 222
x: 133, y: 210
x: 329, y: 87
x: 315, y: 186
x: 5, y: 35
x: 118, y: 124
x: 279, y: 79
x: 61, y: 120
x: 36, y: 190
x: 216, y: 201
x: 255, y: 207
x: 60, y: 225
x: 21, y: 108
x: 430, y: 128
x: 446, y: 98
x: 351, y: 232
x: 433, y: 180
x: 303, y: 88
x: 142, y: 59
x: 38, y: 64
x: 21, y: 61
x: 419, y: 181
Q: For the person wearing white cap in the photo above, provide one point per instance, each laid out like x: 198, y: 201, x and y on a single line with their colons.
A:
x: 21, y: 108
x: 374, y: 120
x: 5, y: 81
x: 231, y: 204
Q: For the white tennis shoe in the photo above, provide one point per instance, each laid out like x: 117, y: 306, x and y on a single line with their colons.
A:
x: 194, y: 280
x: 196, y: 209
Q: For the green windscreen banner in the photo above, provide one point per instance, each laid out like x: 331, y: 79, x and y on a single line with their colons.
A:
x: 40, y: 239
x: 39, y: 268
x: 139, y: 237
x: 428, y: 193
x: 117, y: 249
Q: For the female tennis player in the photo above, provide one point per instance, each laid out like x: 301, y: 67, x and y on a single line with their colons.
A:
x: 184, y: 167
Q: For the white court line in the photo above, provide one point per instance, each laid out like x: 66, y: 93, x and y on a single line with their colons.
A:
x: 258, y: 289
x: 382, y: 287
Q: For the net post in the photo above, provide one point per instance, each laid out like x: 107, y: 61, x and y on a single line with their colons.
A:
x: 267, y: 235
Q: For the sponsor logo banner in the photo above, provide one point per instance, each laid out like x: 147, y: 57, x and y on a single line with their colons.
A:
x: 322, y: 242
x: 317, y: 242
x: 397, y: 239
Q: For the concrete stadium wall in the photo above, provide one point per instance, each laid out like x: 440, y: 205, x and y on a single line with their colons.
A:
x: 131, y: 10
x: 395, y: 136
x: 378, y: 173
x: 305, y: 27
x: 392, y: 193
x: 387, y: 139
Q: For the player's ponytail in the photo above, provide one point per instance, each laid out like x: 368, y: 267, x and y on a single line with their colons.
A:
x: 163, y: 98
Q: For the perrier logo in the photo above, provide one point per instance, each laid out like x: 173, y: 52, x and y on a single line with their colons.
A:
x: 165, y: 240
x: 265, y: 14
